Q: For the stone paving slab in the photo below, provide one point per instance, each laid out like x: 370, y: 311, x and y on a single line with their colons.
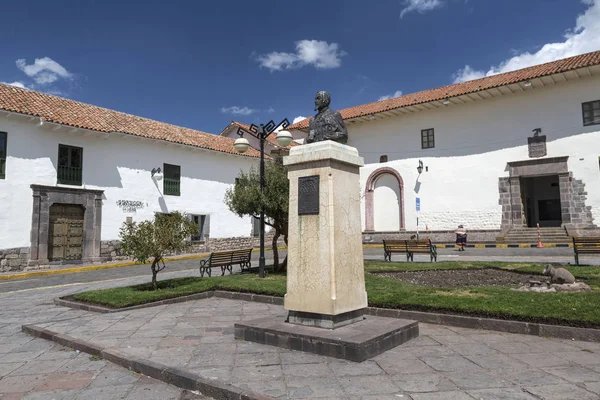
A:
x: 443, y: 363
x: 33, y: 368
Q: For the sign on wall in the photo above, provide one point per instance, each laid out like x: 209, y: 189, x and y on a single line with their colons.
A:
x: 418, y: 205
x: 130, y: 205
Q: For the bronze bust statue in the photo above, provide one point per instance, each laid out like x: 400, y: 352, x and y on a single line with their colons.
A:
x: 327, y: 124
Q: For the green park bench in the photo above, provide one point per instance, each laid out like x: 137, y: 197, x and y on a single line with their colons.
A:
x: 585, y: 245
x: 226, y: 260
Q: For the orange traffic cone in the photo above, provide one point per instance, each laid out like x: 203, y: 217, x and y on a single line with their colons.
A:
x: 539, y: 245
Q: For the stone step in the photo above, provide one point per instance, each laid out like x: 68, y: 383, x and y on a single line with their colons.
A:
x: 535, y: 230
x: 542, y: 235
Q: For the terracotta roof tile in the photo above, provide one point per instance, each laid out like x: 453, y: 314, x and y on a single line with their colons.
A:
x: 536, y: 71
x: 81, y: 115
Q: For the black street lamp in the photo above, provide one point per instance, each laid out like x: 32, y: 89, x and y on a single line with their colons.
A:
x: 284, y: 138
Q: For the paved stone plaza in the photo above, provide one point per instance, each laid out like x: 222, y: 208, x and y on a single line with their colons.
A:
x: 443, y: 363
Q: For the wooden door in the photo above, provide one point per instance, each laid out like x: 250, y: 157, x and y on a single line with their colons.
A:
x: 66, y: 232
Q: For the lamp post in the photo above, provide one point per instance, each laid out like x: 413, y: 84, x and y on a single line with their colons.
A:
x: 284, y: 138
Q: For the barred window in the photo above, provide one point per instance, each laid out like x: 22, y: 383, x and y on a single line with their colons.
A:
x: 70, y: 165
x: 172, y: 180
x: 3, y: 136
x: 591, y: 113
x: 427, y: 139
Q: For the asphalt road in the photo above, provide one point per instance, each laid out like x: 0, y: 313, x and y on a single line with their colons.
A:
x: 190, y: 267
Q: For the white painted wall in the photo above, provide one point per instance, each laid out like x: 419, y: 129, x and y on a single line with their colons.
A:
x: 119, y: 165
x: 473, y: 143
x: 464, y: 190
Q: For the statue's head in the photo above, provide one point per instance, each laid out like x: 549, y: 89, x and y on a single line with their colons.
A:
x: 322, y: 100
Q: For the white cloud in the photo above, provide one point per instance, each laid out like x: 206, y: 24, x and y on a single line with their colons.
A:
x: 298, y: 119
x: 397, y: 93
x: 420, y: 6
x: 467, y: 74
x: 318, y: 53
x: 271, y: 110
x: 16, y: 83
x: 583, y: 38
x: 237, y: 110
x: 43, y: 70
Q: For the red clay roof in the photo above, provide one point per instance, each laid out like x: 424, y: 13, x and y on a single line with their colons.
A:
x: 459, y: 89
x: 81, y: 115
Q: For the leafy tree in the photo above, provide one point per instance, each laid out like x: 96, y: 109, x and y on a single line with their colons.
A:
x: 245, y: 198
x: 165, y: 234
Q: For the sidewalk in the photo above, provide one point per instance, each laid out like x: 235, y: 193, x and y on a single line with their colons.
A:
x: 197, y: 338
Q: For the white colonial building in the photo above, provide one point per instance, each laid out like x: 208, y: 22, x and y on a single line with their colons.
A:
x: 72, y: 173
x: 498, y: 154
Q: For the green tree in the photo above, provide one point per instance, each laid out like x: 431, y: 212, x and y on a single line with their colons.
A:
x: 245, y: 198
x: 165, y: 234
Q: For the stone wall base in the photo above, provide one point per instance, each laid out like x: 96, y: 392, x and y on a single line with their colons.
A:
x: 14, y: 259
x: 474, y: 236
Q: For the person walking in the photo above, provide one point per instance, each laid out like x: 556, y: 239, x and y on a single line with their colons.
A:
x: 461, y: 237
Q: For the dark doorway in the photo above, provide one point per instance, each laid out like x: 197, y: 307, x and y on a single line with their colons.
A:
x: 541, y: 201
x: 66, y: 232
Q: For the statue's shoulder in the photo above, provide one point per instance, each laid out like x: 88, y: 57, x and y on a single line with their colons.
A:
x: 338, y: 115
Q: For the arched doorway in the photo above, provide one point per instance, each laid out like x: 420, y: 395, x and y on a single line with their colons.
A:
x: 384, y: 201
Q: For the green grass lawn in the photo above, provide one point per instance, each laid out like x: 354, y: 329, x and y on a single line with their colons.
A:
x: 576, y: 309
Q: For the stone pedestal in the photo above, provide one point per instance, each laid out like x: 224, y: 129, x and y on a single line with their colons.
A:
x: 326, y: 296
x: 325, y: 278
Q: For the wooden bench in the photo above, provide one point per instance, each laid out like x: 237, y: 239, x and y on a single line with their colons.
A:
x: 393, y: 246
x: 226, y: 260
x: 425, y: 247
x: 585, y: 245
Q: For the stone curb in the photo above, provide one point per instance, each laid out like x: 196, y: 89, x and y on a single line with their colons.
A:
x: 104, y: 310
x: 462, y: 321
x: 170, y: 375
x: 510, y: 326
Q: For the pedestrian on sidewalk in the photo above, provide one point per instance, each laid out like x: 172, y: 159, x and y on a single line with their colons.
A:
x: 461, y: 237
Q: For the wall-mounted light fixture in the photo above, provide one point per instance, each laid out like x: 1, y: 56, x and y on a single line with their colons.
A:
x: 527, y: 83
x: 445, y: 102
x: 156, y: 173
x: 537, y: 131
x: 420, y: 167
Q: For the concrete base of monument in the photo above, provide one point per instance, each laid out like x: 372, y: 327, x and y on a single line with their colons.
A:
x: 324, y: 320
x: 357, y: 342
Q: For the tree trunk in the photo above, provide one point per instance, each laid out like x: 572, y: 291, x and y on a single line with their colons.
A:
x: 154, y: 273
x: 284, y: 264
x: 275, y: 251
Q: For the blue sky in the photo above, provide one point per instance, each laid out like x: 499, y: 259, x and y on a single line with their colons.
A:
x: 201, y: 64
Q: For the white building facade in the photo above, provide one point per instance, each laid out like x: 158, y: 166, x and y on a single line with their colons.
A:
x: 66, y: 191
x: 499, y: 153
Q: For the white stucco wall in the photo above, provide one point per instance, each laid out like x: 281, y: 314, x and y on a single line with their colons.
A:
x: 119, y: 165
x: 464, y: 190
x: 473, y: 143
